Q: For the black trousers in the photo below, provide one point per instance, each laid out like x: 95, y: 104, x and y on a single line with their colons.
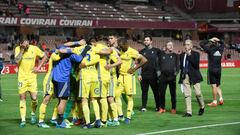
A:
x: 164, y: 82
x: 154, y: 85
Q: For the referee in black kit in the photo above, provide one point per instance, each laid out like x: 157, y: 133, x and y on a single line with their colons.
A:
x: 169, y: 67
x: 214, y: 48
x: 147, y: 75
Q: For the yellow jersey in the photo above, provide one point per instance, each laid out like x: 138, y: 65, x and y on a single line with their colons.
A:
x: 78, y: 50
x: 104, y: 60
x: 91, y: 60
x: 53, y: 57
x: 27, y: 63
x: 128, y: 58
x: 113, y: 58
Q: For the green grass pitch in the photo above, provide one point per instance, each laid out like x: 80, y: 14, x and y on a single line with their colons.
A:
x: 141, y: 123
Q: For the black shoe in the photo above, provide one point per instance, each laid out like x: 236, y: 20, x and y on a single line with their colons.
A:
x: 201, y: 111
x: 187, y: 115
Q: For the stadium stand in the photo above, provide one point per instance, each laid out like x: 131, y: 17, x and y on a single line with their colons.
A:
x: 94, y: 10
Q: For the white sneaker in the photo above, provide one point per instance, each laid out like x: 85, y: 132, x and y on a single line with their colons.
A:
x: 143, y: 110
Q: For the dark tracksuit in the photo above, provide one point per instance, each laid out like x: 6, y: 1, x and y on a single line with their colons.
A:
x: 169, y: 67
x: 149, y: 75
x: 215, y: 53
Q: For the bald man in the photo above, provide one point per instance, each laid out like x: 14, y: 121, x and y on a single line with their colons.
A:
x: 169, y: 67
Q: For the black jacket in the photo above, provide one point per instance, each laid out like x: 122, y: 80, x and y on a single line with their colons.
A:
x: 215, y: 53
x: 169, y: 64
x: 193, y: 68
x: 149, y: 70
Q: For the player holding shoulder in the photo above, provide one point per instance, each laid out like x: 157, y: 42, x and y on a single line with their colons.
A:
x: 47, y: 90
x: 61, y: 80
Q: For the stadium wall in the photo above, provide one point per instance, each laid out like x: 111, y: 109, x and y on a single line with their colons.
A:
x: 12, y: 68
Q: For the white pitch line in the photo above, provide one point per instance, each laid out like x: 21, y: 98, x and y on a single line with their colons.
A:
x: 189, y: 128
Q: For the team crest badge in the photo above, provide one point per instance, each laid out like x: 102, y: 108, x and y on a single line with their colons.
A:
x: 97, y: 91
x: 189, y: 4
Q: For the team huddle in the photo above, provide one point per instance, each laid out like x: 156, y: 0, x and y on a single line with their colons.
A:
x: 80, y: 74
x: 99, y: 72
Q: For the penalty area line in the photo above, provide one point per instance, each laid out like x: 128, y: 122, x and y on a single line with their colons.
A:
x: 189, y: 128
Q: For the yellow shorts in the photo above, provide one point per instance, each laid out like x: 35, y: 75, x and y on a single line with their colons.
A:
x: 112, y: 87
x: 104, y: 88
x: 29, y: 85
x: 127, y: 84
x: 88, y: 89
x: 48, y: 88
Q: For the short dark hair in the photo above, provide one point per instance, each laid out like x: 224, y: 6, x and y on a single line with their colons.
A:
x: 148, y: 36
x: 113, y: 34
x: 122, y: 41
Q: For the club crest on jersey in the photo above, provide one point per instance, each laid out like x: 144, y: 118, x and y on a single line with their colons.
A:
x: 97, y: 91
x: 217, y: 53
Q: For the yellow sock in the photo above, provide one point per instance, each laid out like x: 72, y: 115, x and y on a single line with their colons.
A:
x: 119, y: 106
x: 129, y: 106
x: 114, y: 110
x: 55, y: 112
x: 34, y: 104
x: 86, y: 112
x: 42, y: 112
x: 22, y: 107
x: 104, y: 109
x: 110, y: 115
x: 96, y: 109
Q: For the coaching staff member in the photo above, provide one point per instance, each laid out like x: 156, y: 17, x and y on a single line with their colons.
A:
x: 169, y: 67
x: 147, y: 75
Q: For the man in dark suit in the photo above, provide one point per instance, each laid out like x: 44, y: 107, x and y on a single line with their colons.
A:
x: 190, y: 76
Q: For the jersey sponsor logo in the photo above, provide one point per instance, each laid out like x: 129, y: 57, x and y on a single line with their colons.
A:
x: 189, y: 4
x: 217, y: 53
x: 28, y: 58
